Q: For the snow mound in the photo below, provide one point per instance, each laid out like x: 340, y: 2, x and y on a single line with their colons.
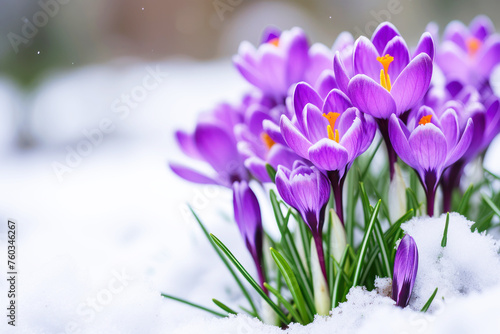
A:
x: 466, y: 273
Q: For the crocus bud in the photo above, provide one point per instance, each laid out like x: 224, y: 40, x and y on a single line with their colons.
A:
x: 338, y: 240
x: 405, y: 271
x: 397, y: 195
x: 322, y: 300
x: 307, y: 190
x: 249, y: 220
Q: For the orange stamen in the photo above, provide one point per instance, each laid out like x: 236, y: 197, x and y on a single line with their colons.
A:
x: 267, y: 140
x: 425, y: 120
x: 332, y: 118
x: 473, y: 44
x: 385, y: 80
x: 275, y: 41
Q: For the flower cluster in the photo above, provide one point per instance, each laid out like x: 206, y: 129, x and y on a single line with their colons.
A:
x: 312, y: 112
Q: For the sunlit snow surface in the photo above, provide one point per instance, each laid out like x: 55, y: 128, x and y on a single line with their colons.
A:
x: 96, y: 250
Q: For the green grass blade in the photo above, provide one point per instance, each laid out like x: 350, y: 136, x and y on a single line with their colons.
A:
x: 286, y: 304
x: 429, y: 302
x: 249, y: 278
x: 340, y: 269
x: 364, y: 244
x: 384, y: 250
x: 492, y: 205
x: 445, y: 233
x: 293, y: 286
x: 238, y: 281
x: 224, y: 306
x: 180, y: 300
x: 271, y: 172
x: 464, y: 203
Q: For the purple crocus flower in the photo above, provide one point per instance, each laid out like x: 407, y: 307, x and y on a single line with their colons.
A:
x: 285, y: 58
x: 486, y: 128
x: 330, y: 133
x: 469, y: 54
x: 405, y: 271
x: 213, y: 142
x: 248, y: 217
x: 256, y: 145
x: 387, y: 79
x: 431, y: 146
x: 307, y: 190
x: 276, y: 64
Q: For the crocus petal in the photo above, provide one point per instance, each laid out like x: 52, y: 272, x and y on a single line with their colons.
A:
x: 282, y: 155
x: 273, y: 130
x: 425, y: 45
x: 412, y: 84
x: 283, y: 186
x: 398, y: 49
x: 294, y: 138
x: 326, y: 82
x: 450, y: 128
x: 345, y: 120
x: 382, y: 35
x: 273, y: 69
x: 352, y: 139
x: 328, y: 155
x: 216, y: 147
x: 316, y: 125
x: 336, y: 101
x: 453, y: 61
x: 298, y: 48
x: 405, y: 271
x: 257, y: 168
x: 489, y: 56
x: 371, y: 98
x: 302, y: 95
x: 340, y: 72
x: 462, y: 145
x: 187, y: 144
x: 365, y: 58
x: 269, y: 34
x: 191, y: 175
x: 429, y: 147
x: 457, y: 33
x: 399, y: 134
x: 481, y: 27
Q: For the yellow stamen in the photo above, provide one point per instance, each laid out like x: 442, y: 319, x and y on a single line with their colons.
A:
x: 425, y: 120
x: 332, y: 118
x: 267, y: 140
x: 385, y: 80
x: 473, y: 44
x: 275, y: 41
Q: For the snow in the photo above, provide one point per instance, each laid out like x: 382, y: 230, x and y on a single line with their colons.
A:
x: 96, y: 249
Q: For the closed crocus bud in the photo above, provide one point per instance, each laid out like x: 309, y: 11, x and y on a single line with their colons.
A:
x: 249, y: 220
x: 307, y: 190
x: 397, y: 195
x: 322, y: 300
x: 405, y: 271
x: 338, y: 240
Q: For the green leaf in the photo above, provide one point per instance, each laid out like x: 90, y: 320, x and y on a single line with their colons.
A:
x: 384, y: 250
x: 464, y: 203
x: 249, y: 278
x: 194, y: 305
x: 238, y: 281
x: 492, y: 205
x: 293, y: 286
x: 364, y: 244
x: 445, y: 233
x: 286, y: 304
x: 340, y: 269
x: 224, y: 306
x: 291, y: 252
x: 271, y: 171
x: 429, y: 302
